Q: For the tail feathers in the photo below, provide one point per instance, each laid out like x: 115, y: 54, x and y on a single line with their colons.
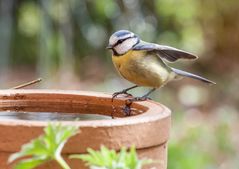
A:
x: 190, y: 75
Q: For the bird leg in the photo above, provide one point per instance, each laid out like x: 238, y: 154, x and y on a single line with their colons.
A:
x: 125, y: 91
x: 144, y: 97
x: 128, y: 103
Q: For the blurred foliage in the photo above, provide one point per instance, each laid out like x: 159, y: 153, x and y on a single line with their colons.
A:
x: 64, y: 43
x: 204, y: 142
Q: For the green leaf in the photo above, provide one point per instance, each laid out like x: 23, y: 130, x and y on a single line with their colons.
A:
x: 46, y: 147
x: 109, y: 159
x: 29, y: 163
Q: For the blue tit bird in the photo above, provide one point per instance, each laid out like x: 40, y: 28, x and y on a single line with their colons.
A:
x: 143, y: 63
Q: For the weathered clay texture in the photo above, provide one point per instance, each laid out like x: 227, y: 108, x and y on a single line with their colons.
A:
x: 148, y: 128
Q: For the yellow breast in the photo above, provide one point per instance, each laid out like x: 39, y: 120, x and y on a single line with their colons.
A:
x: 142, y: 68
x: 126, y: 58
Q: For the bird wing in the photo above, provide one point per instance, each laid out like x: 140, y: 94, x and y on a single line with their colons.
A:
x: 169, y: 53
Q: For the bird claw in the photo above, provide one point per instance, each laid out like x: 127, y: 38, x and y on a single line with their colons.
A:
x: 114, y: 95
x: 143, y: 98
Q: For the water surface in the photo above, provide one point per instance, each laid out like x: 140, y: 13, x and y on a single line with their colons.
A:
x: 49, y: 116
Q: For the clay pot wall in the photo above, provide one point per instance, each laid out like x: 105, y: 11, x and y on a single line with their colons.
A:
x: 147, y: 128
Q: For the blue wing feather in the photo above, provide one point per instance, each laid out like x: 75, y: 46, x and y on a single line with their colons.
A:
x: 169, y: 53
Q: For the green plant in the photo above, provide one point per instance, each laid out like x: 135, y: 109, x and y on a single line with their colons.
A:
x: 49, y: 146
x: 110, y: 159
x: 45, y: 148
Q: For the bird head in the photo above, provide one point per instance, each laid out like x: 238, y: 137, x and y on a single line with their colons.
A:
x: 122, y: 41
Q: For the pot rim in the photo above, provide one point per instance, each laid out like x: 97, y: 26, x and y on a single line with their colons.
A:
x: 153, y: 110
x: 148, y: 129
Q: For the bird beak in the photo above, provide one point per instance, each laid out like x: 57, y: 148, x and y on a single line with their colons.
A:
x: 109, y: 47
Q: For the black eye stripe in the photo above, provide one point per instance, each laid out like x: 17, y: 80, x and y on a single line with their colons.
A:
x: 121, y: 41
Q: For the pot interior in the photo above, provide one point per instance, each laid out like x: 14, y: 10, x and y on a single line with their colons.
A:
x: 63, y: 106
x: 49, y: 116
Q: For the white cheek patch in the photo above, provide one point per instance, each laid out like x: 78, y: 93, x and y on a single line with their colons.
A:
x: 113, y: 39
x: 125, y: 46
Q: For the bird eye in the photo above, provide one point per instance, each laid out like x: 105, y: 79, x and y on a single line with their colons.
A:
x: 120, y: 41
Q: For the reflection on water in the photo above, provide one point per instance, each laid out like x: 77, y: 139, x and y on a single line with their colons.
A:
x: 49, y: 116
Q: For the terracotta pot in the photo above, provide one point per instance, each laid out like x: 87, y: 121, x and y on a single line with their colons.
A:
x: 148, y: 128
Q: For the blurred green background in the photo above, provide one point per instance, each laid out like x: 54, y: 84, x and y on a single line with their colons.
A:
x: 63, y: 41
